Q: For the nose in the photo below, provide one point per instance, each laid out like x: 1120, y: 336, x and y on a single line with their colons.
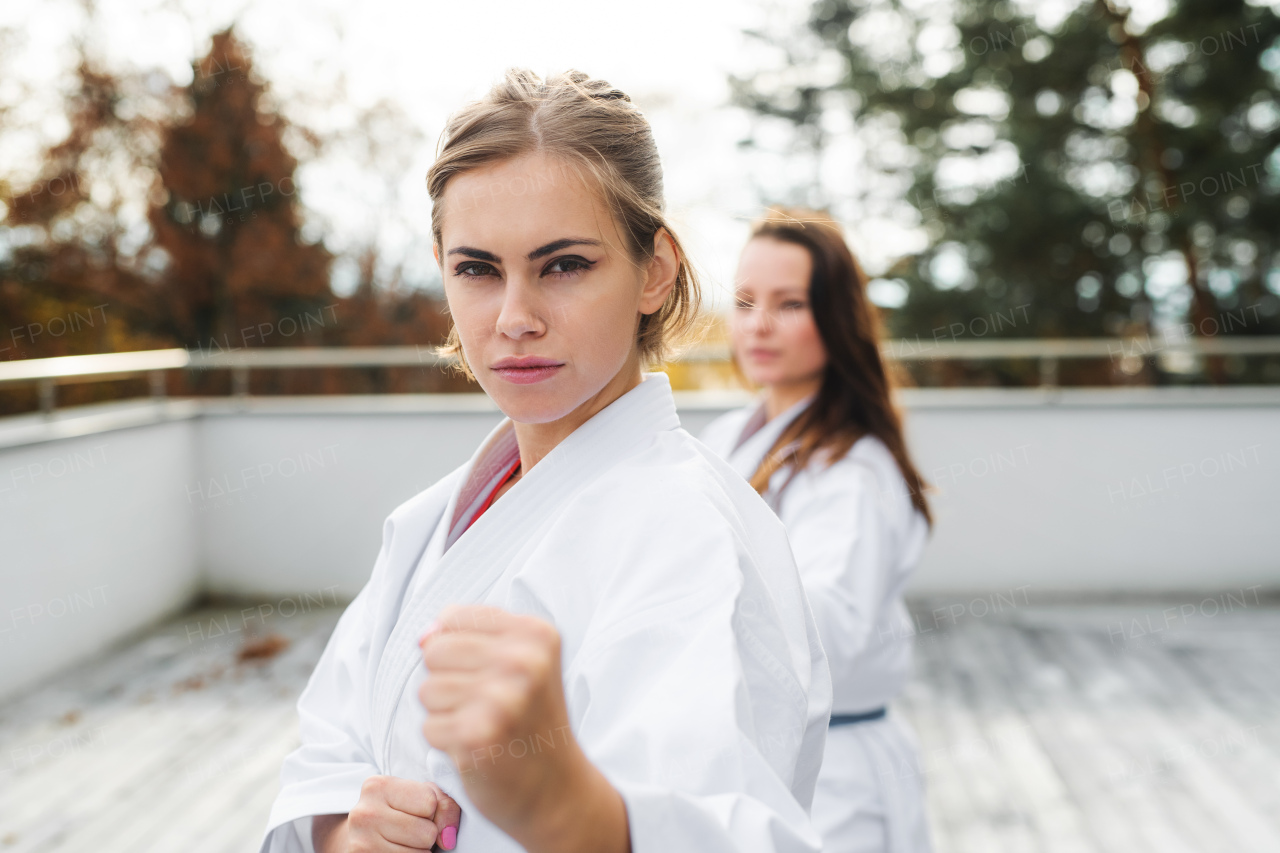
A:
x: 757, y: 321
x: 520, y: 314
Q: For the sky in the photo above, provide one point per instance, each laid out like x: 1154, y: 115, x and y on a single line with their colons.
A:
x: 672, y: 56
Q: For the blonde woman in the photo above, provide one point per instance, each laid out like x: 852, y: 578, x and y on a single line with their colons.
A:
x: 592, y: 635
x: 824, y: 445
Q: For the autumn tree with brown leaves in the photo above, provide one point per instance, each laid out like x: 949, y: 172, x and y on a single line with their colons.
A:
x: 68, y: 273
x: 224, y: 265
x: 229, y: 222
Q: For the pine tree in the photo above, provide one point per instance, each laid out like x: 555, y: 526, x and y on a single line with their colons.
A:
x: 1205, y: 150
x: 1058, y: 245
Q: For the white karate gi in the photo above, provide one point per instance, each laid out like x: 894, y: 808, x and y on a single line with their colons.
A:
x: 692, y: 666
x: 856, y: 538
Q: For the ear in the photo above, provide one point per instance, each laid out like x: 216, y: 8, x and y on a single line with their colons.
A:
x: 661, y: 273
x: 435, y: 251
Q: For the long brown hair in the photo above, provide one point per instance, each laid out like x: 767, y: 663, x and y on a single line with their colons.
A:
x: 601, y: 137
x: 855, y: 398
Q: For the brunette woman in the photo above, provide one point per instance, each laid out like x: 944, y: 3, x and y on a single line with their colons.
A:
x: 824, y: 444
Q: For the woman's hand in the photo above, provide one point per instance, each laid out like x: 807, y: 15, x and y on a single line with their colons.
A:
x: 393, y: 815
x: 495, y: 704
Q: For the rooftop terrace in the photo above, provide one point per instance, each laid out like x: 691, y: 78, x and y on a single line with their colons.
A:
x: 1097, y: 615
x: 1069, y: 727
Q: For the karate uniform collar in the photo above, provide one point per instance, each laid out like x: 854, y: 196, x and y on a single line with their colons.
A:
x: 488, y: 547
x: 756, y: 435
x: 755, y: 422
x: 647, y: 408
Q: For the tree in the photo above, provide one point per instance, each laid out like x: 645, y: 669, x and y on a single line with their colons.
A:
x: 67, y: 250
x: 228, y: 218
x: 1207, y: 197
x: 219, y: 260
x: 1021, y: 149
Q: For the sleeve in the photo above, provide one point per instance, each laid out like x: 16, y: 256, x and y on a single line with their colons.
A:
x: 839, y: 525
x: 324, y: 775
x: 689, y: 699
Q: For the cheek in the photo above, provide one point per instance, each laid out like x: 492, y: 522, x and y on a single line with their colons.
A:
x: 588, y: 330
x: 470, y: 312
x: 602, y: 317
x: 806, y: 343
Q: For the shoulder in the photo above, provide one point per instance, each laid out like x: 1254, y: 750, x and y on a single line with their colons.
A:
x: 872, y: 450
x: 872, y: 455
x: 866, y: 479
x: 677, y: 498
x: 674, y: 476
x: 869, y: 457
x: 677, y: 530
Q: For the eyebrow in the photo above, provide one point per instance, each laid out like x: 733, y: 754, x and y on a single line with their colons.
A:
x: 796, y: 290
x: 540, y: 252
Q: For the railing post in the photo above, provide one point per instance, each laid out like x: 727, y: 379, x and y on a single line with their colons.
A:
x: 1048, y: 372
x: 240, y: 381
x: 48, y: 390
x: 158, y: 389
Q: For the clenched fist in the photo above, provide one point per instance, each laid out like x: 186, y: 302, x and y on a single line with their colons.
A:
x: 495, y: 704
x: 392, y: 816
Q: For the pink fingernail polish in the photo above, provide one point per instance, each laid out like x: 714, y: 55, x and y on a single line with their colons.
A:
x: 449, y: 837
x: 427, y: 633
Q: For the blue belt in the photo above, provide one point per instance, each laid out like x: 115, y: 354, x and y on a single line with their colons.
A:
x: 867, y: 716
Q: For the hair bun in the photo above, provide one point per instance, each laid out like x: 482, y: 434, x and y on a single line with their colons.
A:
x: 601, y: 90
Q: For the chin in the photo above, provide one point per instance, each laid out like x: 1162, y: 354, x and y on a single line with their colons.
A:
x: 531, y: 415
x: 533, y: 404
x: 531, y: 408
x: 764, y: 376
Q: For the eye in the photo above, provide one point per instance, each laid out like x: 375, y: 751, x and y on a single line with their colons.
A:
x: 473, y: 269
x: 742, y: 303
x: 569, y: 265
x: 793, y: 305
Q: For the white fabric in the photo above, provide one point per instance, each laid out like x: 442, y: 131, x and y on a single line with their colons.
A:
x: 856, y: 538
x: 870, y: 796
x: 693, y: 669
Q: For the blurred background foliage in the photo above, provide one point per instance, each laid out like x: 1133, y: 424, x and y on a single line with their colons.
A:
x: 1084, y: 174
x: 219, y: 262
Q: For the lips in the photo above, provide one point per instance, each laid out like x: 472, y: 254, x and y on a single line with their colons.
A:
x: 525, y: 361
x: 760, y: 354
x: 525, y: 370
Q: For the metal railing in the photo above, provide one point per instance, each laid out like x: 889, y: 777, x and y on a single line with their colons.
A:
x: 48, y: 373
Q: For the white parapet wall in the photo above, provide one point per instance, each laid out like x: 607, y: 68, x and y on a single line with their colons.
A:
x: 290, y: 497
x: 1100, y: 491
x: 92, y: 544
x: 114, y: 516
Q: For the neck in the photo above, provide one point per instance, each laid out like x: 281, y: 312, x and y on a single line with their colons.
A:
x: 781, y: 396
x: 537, y: 440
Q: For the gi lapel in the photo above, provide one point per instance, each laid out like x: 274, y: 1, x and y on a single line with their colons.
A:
x: 747, y: 456
x: 493, y: 542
